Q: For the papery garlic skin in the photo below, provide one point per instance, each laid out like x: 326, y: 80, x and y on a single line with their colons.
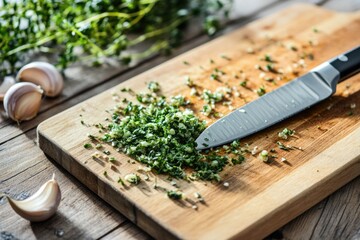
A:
x: 7, y: 82
x: 22, y: 101
x: 40, y: 206
x: 43, y: 74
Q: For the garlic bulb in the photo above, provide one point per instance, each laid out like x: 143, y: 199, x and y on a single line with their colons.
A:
x: 43, y: 74
x: 40, y: 206
x: 5, y: 85
x: 22, y: 101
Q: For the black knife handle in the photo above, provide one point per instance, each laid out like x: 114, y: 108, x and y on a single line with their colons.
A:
x: 347, y: 63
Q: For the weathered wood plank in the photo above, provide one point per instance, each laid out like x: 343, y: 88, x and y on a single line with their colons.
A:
x: 337, y: 217
x: 80, y: 210
x: 127, y: 230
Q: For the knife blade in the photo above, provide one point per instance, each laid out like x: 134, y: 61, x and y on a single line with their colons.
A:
x: 285, y: 101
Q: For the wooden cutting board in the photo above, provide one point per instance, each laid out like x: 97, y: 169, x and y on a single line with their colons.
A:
x: 261, y: 197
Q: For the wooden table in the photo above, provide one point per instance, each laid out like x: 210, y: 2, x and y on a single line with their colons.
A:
x: 83, y: 215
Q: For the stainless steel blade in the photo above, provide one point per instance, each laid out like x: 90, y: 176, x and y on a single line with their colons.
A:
x: 272, y: 107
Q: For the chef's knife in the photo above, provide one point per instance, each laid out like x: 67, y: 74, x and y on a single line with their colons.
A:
x: 273, y: 107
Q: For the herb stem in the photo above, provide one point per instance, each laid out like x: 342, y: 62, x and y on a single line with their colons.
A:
x: 32, y: 45
x: 157, y: 32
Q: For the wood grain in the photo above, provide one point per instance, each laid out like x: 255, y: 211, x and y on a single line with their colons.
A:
x: 70, y: 221
x: 255, y: 183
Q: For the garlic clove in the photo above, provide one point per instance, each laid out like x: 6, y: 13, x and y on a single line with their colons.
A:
x: 22, y: 101
x: 40, y: 206
x: 43, y: 74
x: 5, y: 85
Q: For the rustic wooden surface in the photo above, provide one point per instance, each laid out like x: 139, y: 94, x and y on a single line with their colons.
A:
x: 306, y: 180
x: 83, y: 215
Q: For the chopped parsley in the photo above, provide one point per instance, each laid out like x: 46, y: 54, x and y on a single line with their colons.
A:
x: 284, y: 134
x: 225, y: 57
x: 268, y: 58
x: 161, y: 135
x: 153, y: 86
x: 179, y: 101
x: 175, y: 195
x: 261, y: 91
x: 264, y: 156
x: 189, y: 81
x: 293, y: 48
x: 243, y: 83
x: 206, y: 110
x: 133, y: 178
x: 283, y: 147
x: 121, y: 181
x: 87, y: 145
x: 212, y: 97
x: 270, y: 68
x: 145, y: 97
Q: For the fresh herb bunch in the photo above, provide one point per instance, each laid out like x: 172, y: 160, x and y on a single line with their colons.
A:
x: 97, y: 29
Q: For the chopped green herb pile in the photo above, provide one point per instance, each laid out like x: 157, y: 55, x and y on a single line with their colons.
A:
x: 162, y: 136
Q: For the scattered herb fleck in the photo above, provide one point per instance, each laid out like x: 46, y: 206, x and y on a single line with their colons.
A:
x: 285, y: 133
x: 87, y: 146
x: 311, y: 56
x: 283, y: 147
x: 199, y: 197
x: 153, y: 86
x: 206, y: 110
x: 98, y: 146
x: 92, y: 137
x: 243, y: 83
x: 189, y: 81
x: 175, y: 194
x: 264, y: 156
x: 178, y: 101
x: 212, y: 97
x: 133, y: 178
x: 268, y: 58
x: 225, y: 57
x: 270, y: 68
x: 121, y: 181
x: 293, y: 48
x: 129, y: 90
x: 261, y: 91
